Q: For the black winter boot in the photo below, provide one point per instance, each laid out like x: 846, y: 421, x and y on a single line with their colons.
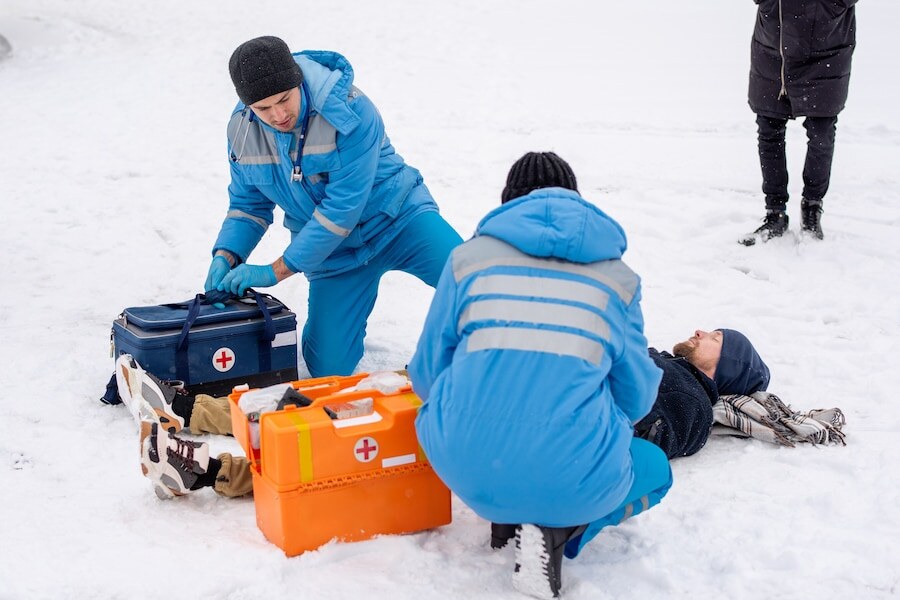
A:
x: 501, y: 533
x: 539, y: 554
x: 775, y: 224
x: 811, y: 212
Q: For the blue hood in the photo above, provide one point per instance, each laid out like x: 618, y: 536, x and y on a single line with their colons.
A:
x: 558, y: 223
x: 330, y: 80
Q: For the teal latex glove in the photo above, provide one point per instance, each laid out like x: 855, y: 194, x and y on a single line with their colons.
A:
x: 218, y: 268
x: 238, y: 279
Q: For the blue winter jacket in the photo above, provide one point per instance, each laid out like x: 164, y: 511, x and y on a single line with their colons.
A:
x: 354, y: 194
x: 533, y: 364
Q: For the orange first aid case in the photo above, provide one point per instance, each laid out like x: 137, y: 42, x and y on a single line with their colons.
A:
x: 316, y: 479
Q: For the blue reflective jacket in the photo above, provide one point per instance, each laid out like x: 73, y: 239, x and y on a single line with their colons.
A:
x: 533, y: 365
x: 354, y: 194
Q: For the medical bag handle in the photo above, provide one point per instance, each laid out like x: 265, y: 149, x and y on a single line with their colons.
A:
x: 193, y: 308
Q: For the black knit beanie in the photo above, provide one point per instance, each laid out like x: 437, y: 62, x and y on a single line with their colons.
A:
x: 263, y: 67
x: 537, y: 170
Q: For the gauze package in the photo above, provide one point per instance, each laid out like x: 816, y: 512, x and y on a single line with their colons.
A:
x: 256, y: 402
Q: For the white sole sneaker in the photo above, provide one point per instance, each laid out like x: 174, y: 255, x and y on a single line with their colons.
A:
x: 172, y: 463
x: 152, y: 464
x: 128, y: 383
x: 144, y: 397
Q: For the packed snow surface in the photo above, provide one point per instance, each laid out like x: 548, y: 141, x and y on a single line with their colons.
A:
x: 112, y: 190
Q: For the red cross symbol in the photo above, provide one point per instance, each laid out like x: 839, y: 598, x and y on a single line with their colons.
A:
x: 223, y: 359
x: 364, y: 447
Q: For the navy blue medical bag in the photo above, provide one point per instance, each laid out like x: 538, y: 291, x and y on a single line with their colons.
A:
x: 251, y: 340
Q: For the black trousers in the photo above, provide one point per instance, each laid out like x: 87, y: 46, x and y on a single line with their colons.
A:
x: 820, y: 133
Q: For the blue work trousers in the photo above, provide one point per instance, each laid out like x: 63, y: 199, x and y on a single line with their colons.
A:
x: 340, y: 305
x: 652, y: 479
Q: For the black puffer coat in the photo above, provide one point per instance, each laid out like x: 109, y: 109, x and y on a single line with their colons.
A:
x: 817, y: 38
x: 681, y: 417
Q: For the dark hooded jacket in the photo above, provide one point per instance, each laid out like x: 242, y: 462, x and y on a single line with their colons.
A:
x: 817, y: 39
x: 681, y: 417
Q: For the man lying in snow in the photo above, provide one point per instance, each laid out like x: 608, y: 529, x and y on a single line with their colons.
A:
x: 679, y: 421
x: 705, y: 366
x: 688, y: 409
x: 715, y: 384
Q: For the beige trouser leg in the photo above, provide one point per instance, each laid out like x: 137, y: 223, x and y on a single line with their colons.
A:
x: 210, y: 415
x: 234, y: 478
x: 213, y: 415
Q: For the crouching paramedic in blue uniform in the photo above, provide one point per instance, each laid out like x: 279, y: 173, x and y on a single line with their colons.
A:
x: 533, y: 368
x: 305, y: 139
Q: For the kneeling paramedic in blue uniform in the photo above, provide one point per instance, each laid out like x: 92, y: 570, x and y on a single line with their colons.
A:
x: 305, y: 139
x: 533, y: 368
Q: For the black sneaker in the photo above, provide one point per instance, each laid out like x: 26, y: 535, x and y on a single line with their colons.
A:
x: 539, y: 554
x: 811, y: 213
x: 501, y: 533
x: 775, y: 224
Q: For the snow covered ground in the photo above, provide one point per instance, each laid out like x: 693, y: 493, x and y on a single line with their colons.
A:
x: 112, y: 189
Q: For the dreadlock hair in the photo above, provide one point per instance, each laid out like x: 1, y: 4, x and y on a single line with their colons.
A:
x: 537, y: 170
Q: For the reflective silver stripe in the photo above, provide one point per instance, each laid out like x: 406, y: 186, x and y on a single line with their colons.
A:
x: 320, y: 149
x: 629, y: 510
x: 484, y: 252
x: 528, y: 311
x: 611, y: 279
x: 255, y: 145
x: 258, y: 160
x: 330, y: 225
x: 540, y: 287
x: 536, y: 340
x: 239, y: 214
x: 321, y: 137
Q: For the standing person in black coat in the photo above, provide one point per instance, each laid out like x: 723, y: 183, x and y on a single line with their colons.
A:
x: 710, y: 363
x: 799, y: 67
